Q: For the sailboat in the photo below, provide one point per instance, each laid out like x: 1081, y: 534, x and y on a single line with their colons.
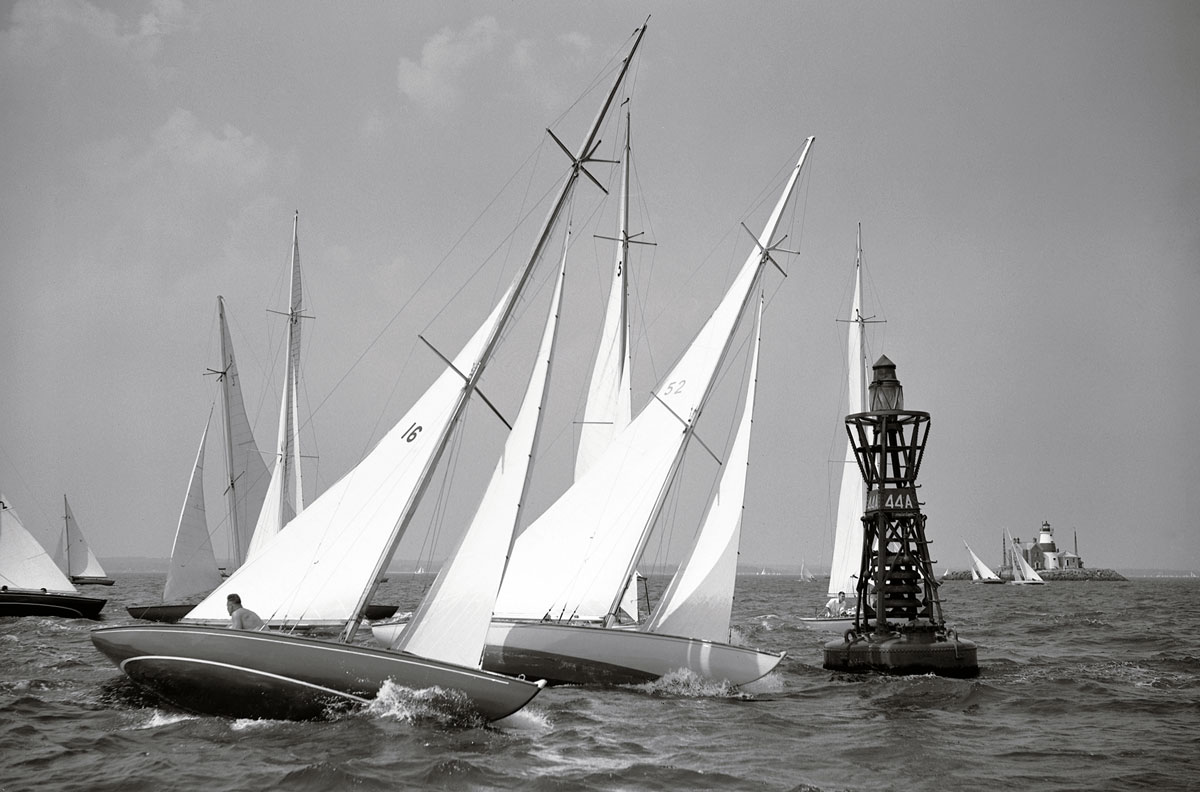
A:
x: 75, y: 555
x: 1023, y: 573
x: 326, y: 564
x: 848, y: 530
x: 980, y: 572
x: 31, y: 584
x: 557, y: 611
x: 194, y: 570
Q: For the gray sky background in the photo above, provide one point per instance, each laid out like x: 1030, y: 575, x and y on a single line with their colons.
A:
x: 1026, y: 173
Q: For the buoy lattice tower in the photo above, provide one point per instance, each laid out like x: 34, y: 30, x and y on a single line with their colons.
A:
x: 899, y: 626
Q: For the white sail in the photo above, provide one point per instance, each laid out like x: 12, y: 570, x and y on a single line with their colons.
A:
x: 848, y: 531
x: 246, y: 475
x: 979, y: 570
x: 317, y: 575
x: 573, y: 562
x: 698, y: 602
x: 608, y: 408
x: 1022, y: 571
x: 453, y: 608
x: 285, y: 496
x: 77, y: 557
x: 24, y: 563
x: 193, y: 568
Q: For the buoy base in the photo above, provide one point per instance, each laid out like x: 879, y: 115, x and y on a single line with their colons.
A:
x: 907, y: 649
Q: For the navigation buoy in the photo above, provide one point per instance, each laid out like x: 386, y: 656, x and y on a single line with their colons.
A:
x: 898, y: 626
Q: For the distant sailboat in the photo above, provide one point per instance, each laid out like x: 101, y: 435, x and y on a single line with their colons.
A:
x: 194, y: 570
x: 1023, y: 573
x: 848, y: 528
x: 31, y: 584
x: 326, y: 565
x: 75, y: 555
x: 285, y: 493
x: 980, y: 572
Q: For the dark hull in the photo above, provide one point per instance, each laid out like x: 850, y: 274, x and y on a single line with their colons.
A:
x: 167, y: 614
x: 79, y: 580
x: 377, y: 612
x: 239, y: 674
x: 37, y: 603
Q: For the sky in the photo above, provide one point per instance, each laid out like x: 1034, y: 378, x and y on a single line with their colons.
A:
x: 1025, y: 175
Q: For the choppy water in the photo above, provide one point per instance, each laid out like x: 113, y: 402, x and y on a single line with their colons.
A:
x: 1083, y: 686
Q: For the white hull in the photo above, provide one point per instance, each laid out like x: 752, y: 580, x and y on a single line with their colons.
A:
x: 829, y: 624
x: 565, y: 654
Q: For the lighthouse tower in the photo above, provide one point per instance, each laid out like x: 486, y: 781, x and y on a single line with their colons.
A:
x: 898, y: 625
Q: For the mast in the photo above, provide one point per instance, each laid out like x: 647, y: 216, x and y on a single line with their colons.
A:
x: 67, y: 532
x: 471, y: 378
x: 230, y: 474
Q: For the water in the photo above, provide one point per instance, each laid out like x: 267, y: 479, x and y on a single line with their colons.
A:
x: 1082, y: 686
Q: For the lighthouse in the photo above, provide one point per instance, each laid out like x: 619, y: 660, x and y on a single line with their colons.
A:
x: 898, y: 626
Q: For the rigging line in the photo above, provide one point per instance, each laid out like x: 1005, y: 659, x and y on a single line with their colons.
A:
x: 420, y: 286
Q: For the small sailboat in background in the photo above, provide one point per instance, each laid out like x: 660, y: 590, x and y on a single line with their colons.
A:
x: 1023, y: 573
x: 980, y: 572
x: 848, y: 529
x: 194, y: 570
x: 31, y: 584
x: 74, y: 555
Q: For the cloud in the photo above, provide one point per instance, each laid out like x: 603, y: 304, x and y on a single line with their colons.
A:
x: 435, y: 82
x: 48, y: 29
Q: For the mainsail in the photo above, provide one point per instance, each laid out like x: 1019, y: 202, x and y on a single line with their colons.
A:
x: 980, y: 572
x: 24, y: 563
x: 285, y: 495
x: 848, y: 531
x: 608, y: 408
x: 246, y: 475
x: 75, y: 555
